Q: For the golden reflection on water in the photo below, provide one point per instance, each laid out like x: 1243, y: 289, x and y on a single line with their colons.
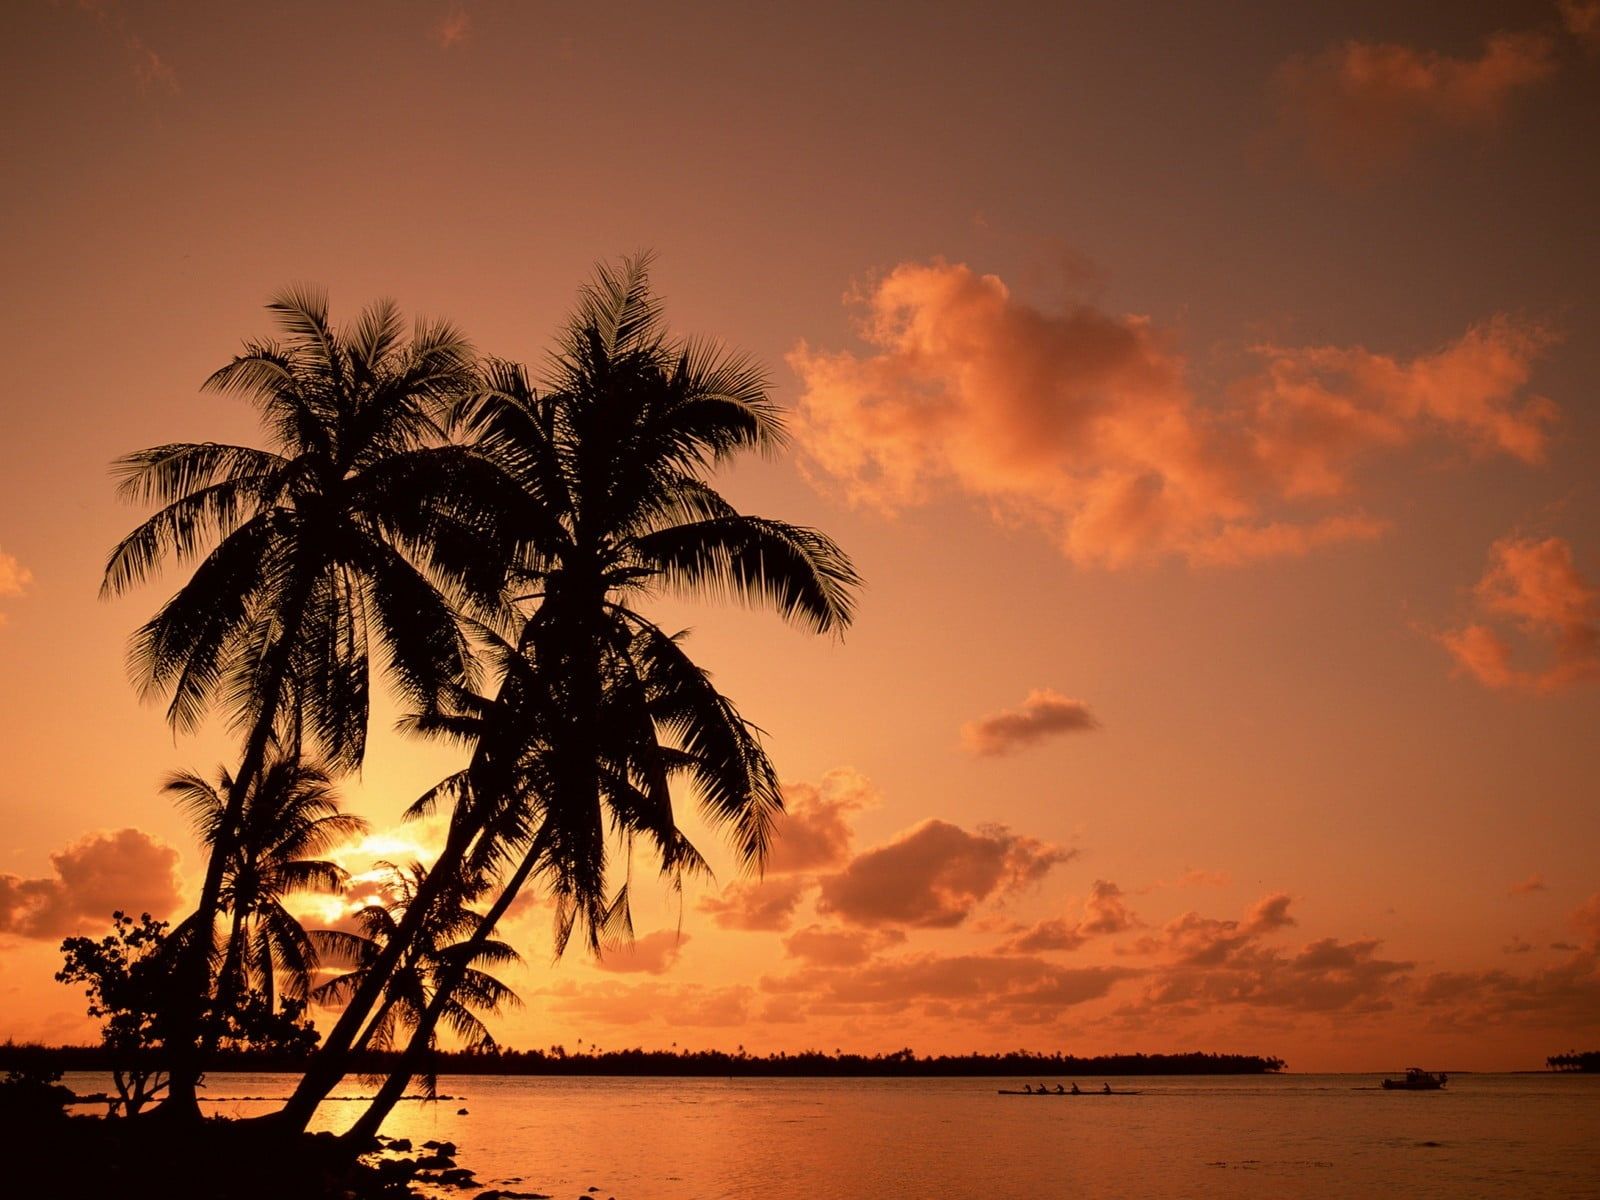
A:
x: 801, y: 1139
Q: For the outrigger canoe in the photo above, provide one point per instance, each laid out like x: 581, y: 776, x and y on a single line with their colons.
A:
x: 1118, y: 1092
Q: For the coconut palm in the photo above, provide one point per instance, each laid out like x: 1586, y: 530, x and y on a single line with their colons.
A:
x: 360, y: 524
x: 602, y: 707
x: 428, y: 958
x: 291, y: 816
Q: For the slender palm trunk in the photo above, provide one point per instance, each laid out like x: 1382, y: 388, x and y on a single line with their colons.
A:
x: 331, y: 1061
x: 394, y: 1087
x: 193, y: 970
x: 228, y: 983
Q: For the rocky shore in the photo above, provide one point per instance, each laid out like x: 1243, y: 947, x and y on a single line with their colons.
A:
x: 65, y: 1158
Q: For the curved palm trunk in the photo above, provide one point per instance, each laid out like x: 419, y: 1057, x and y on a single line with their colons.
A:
x: 394, y: 1087
x: 193, y: 970
x: 331, y: 1061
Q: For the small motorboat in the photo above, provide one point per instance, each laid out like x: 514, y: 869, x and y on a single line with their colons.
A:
x: 1416, y: 1080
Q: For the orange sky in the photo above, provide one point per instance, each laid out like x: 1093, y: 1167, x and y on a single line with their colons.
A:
x: 1207, y: 397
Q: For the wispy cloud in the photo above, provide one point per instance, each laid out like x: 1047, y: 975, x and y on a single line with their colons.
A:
x: 1084, y: 422
x: 151, y: 72
x: 1533, y: 586
x: 1044, y: 714
x: 1360, y: 108
x: 453, y: 28
x: 1582, y: 20
x: 1526, y: 887
x: 14, y: 579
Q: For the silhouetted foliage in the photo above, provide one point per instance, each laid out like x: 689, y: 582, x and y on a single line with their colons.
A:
x: 1573, y: 1060
x: 130, y: 983
x: 598, y: 709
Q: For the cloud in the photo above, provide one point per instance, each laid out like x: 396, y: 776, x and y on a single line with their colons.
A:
x: 14, y: 579
x: 814, y: 831
x: 767, y: 904
x: 1533, y: 883
x: 1360, y: 108
x: 1104, y: 913
x: 1586, y: 920
x: 1582, y: 20
x: 151, y: 72
x: 1535, y: 587
x: 1044, y: 714
x: 932, y: 876
x: 1083, y: 423
x: 1326, y: 975
x: 1269, y: 913
x: 612, y: 1002
x: 1565, y: 997
x: 980, y: 986
x: 1517, y: 945
x: 453, y: 28
x: 839, y: 947
x: 94, y: 877
x: 652, y: 954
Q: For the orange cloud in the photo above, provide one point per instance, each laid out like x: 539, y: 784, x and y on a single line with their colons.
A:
x: 453, y: 28
x: 1083, y: 422
x: 150, y: 70
x: 1582, y: 20
x: 814, y: 831
x: 94, y: 877
x: 1586, y: 920
x: 1533, y: 585
x: 1564, y: 997
x: 839, y: 947
x: 1362, y: 107
x: 652, y: 954
x: 1104, y: 912
x: 1045, y: 713
x: 933, y: 875
x: 1269, y: 913
x: 1533, y: 883
x: 14, y: 579
x: 985, y: 987
x: 755, y: 904
x: 612, y: 1002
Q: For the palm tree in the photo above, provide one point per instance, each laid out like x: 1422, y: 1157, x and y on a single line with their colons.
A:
x: 600, y: 709
x: 427, y: 959
x: 360, y: 524
x: 291, y: 815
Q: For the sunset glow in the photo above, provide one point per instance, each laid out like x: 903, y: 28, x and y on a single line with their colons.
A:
x: 1210, y: 407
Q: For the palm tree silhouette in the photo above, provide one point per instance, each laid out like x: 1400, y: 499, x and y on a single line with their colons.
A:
x: 599, y: 709
x: 361, y: 523
x: 291, y: 815
x: 427, y: 958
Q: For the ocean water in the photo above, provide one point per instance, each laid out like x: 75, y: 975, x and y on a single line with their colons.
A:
x: 1285, y: 1136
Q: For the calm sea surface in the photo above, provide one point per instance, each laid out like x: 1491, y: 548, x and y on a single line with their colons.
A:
x: 811, y: 1139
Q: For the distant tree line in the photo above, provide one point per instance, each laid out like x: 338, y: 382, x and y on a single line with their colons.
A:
x: 1573, y: 1060
x: 706, y: 1063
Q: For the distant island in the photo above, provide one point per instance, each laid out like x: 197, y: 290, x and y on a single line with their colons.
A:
x: 705, y: 1063
x: 1572, y: 1060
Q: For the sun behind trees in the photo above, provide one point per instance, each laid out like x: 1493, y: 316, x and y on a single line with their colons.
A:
x: 491, y: 540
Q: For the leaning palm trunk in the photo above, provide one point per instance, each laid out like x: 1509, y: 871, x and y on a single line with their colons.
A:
x: 394, y: 1087
x: 193, y: 968
x: 332, y: 1059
